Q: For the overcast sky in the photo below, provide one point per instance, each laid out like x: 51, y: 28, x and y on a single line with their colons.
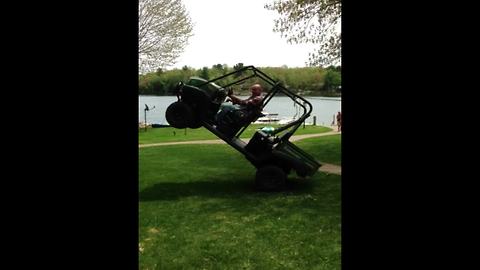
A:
x: 233, y: 31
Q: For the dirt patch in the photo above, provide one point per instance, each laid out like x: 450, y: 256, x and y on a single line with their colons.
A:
x: 331, y: 168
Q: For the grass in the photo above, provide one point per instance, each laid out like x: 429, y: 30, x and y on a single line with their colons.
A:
x: 199, y: 210
x: 157, y: 135
x: 326, y: 149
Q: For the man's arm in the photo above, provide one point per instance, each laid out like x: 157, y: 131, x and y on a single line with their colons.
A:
x: 256, y: 101
x: 236, y: 100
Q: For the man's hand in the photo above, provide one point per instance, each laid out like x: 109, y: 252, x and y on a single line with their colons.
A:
x: 229, y: 91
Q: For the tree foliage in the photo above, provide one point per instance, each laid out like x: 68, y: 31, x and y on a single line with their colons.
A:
x: 164, y: 29
x: 204, y: 73
x: 305, y: 81
x: 236, y: 67
x: 332, y: 80
x: 311, y: 21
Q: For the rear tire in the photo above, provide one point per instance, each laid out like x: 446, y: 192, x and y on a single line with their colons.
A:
x: 179, y: 115
x: 270, y: 178
x: 199, y: 103
x: 287, y: 170
x: 195, y: 123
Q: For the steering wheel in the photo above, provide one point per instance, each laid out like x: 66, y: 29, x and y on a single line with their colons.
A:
x: 229, y: 91
x: 177, y: 89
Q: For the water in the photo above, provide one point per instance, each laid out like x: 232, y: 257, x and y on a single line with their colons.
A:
x: 324, y: 108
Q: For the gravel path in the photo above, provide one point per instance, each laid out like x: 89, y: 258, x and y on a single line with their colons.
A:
x: 218, y: 141
x: 326, y: 167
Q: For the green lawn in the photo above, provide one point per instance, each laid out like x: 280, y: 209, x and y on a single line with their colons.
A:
x: 326, y: 148
x: 157, y: 135
x: 199, y: 210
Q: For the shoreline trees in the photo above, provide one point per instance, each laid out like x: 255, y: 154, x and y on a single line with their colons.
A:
x: 308, y: 81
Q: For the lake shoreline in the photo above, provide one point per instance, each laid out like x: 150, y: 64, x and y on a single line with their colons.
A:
x: 246, y: 95
x: 324, y: 108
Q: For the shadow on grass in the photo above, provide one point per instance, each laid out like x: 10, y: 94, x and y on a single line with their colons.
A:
x: 214, y: 188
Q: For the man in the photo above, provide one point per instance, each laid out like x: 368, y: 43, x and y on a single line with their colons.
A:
x: 241, y: 110
x: 253, y: 102
x: 339, y: 121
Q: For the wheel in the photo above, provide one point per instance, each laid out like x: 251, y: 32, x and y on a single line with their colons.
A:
x: 179, y: 115
x: 195, y: 123
x: 287, y: 170
x: 198, y: 101
x: 302, y: 173
x: 270, y: 178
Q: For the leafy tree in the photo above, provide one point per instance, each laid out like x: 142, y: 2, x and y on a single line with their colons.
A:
x: 335, y: 68
x: 164, y: 29
x: 157, y: 86
x: 218, y: 66
x: 238, y: 67
x: 224, y: 69
x: 203, y: 73
x: 143, y: 87
x: 311, y: 21
x: 332, y: 80
x: 305, y: 80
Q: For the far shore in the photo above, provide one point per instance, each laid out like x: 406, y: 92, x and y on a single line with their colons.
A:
x: 246, y: 95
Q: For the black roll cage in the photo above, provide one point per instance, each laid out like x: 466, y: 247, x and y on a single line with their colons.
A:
x: 277, y: 87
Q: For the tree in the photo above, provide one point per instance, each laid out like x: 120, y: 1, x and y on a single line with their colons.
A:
x: 164, y: 29
x: 238, y: 67
x: 203, y: 73
x: 157, y: 86
x: 332, y: 80
x: 218, y: 66
x: 311, y: 21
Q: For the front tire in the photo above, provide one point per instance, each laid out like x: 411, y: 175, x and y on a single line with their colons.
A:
x: 270, y: 178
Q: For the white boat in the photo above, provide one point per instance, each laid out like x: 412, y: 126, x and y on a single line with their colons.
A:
x: 273, y: 118
x: 286, y: 120
x: 267, y: 118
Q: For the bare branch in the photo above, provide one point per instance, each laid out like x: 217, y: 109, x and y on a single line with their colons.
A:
x: 296, y: 24
x: 164, y: 29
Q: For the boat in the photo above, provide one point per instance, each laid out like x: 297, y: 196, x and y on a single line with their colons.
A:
x: 159, y: 125
x: 152, y: 125
x: 267, y: 118
x: 286, y: 120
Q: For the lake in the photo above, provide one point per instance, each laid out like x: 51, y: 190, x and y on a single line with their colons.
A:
x: 324, y: 108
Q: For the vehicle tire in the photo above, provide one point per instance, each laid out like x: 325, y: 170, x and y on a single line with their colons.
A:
x: 198, y: 100
x: 287, y: 170
x: 270, y: 178
x: 195, y: 123
x: 302, y: 174
x: 179, y: 115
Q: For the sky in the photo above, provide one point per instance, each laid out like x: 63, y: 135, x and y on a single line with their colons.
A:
x: 237, y: 31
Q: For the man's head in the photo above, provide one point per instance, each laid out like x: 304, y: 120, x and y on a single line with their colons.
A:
x: 256, y: 89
